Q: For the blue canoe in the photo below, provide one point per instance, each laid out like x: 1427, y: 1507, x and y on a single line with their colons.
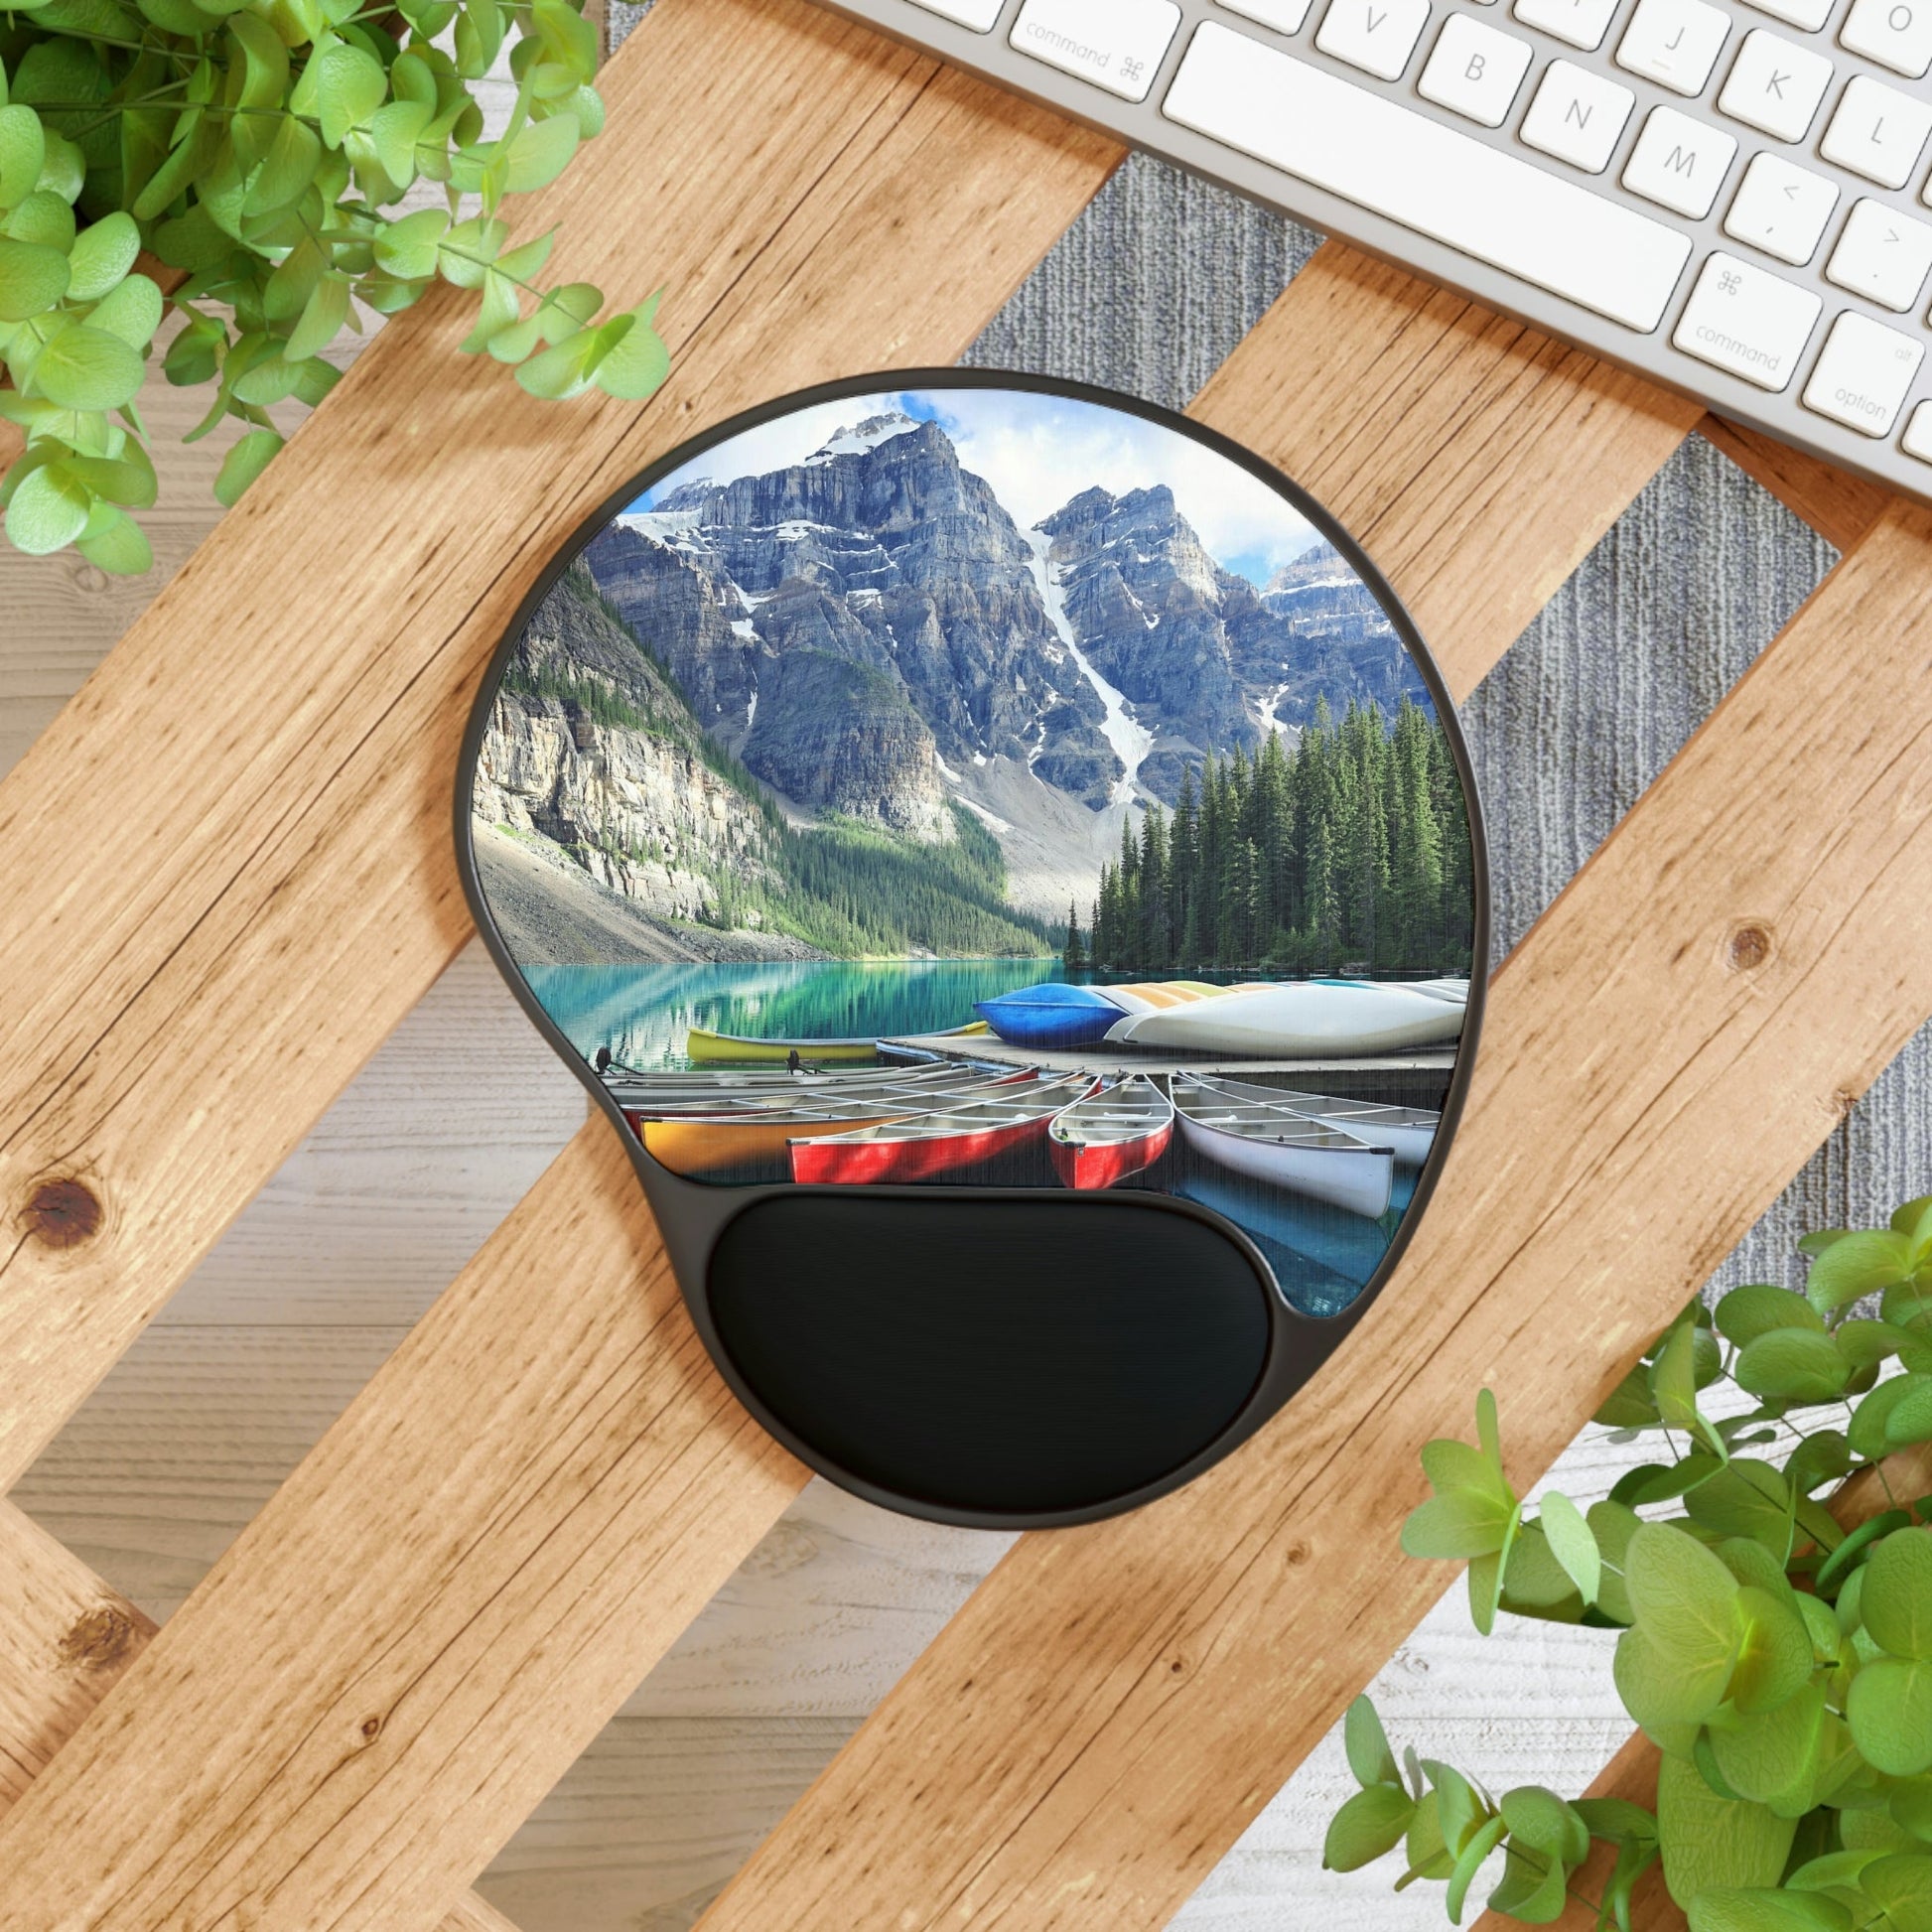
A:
x: 1052, y: 1016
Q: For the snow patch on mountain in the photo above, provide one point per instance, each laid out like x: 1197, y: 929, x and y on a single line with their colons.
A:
x: 1131, y: 740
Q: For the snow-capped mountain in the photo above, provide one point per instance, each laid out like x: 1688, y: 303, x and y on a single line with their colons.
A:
x: 872, y: 634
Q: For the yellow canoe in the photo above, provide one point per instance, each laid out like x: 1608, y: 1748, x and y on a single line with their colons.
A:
x: 734, y: 1049
x: 701, y: 1146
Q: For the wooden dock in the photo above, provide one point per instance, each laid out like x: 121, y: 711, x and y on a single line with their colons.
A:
x: 1436, y: 1065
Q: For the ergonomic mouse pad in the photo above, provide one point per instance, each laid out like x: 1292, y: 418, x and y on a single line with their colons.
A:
x: 1009, y: 863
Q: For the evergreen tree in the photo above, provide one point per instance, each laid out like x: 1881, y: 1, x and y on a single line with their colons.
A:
x: 1352, y: 847
x: 1073, y: 956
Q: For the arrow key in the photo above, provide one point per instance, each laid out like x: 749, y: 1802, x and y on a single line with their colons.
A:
x: 1781, y: 209
x: 1883, y: 255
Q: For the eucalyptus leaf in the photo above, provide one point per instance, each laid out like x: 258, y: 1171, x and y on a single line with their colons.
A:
x: 1756, y: 1309
x: 101, y: 255
x: 23, y: 152
x: 1571, y: 1542
x: 32, y: 279
x: 50, y: 508
x: 1889, y: 1708
x: 1869, y: 1433
x: 1756, y: 1911
x: 84, y: 367
x: 350, y: 86
x: 1367, y: 1745
x: 132, y: 310
x: 115, y: 543
x: 635, y: 362
x: 1793, y: 1365
x: 1372, y: 1822
x: 1474, y: 1855
x: 1856, y: 1266
x: 251, y: 455
x: 1711, y: 1843
x: 1897, y: 1600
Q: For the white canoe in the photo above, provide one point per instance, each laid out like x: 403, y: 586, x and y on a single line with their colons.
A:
x: 1303, y: 1019
x: 1270, y: 1141
x: 1408, y: 1132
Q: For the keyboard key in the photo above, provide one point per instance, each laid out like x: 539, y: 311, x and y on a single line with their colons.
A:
x: 1478, y: 199
x: 1781, y: 209
x: 1883, y: 255
x: 1877, y: 132
x: 1741, y: 319
x: 1862, y: 378
x: 1679, y: 162
x: 1917, y: 440
x: 1474, y: 71
x: 1576, y: 116
x: 1285, y: 16
x: 1674, y: 43
x: 1898, y: 33
x: 1775, y: 87
x: 1115, y: 44
x: 979, y: 15
x: 1808, y: 14
x: 1582, y: 23
x: 1377, y: 36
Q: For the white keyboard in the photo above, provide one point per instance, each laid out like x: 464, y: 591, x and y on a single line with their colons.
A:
x: 1731, y: 199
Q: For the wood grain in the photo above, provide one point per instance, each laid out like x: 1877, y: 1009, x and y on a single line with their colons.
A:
x: 494, y: 1543
x: 65, y: 1641
x: 1840, y: 508
x: 1113, y: 1706
x: 820, y: 197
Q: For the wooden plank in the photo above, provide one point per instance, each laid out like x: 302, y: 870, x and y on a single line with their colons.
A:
x: 818, y: 196
x: 586, y: 1485
x: 1632, y: 1772
x: 1842, y: 508
x: 65, y: 1641
x: 1129, y: 1655
x: 1113, y: 1708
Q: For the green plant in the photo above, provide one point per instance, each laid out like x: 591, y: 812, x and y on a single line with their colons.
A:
x: 257, y: 148
x: 1780, y: 1662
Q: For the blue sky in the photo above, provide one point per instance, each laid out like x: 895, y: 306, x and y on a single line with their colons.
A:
x: 1039, y: 450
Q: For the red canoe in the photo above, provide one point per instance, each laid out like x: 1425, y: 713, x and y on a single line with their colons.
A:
x: 1100, y: 1141
x: 924, y: 1146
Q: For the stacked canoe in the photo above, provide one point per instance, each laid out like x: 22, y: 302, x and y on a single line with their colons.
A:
x: 1271, y: 1019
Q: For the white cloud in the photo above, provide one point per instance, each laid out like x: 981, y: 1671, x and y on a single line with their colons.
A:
x: 1038, y: 452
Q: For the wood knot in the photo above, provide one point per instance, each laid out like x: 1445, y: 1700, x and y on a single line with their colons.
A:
x: 103, y: 1639
x: 1748, y: 948
x: 372, y: 1727
x: 64, y: 1213
x: 1298, y: 1553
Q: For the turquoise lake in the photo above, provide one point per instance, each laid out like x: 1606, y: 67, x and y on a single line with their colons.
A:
x: 643, y: 1013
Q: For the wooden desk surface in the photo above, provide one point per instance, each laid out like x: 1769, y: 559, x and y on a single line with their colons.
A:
x: 541, y: 1491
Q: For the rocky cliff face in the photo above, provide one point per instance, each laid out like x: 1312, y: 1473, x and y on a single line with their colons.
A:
x: 1328, y: 635
x: 882, y: 552
x: 1206, y: 660
x: 589, y: 758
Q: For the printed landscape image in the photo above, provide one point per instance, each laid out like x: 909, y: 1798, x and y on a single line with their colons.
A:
x: 986, y: 785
